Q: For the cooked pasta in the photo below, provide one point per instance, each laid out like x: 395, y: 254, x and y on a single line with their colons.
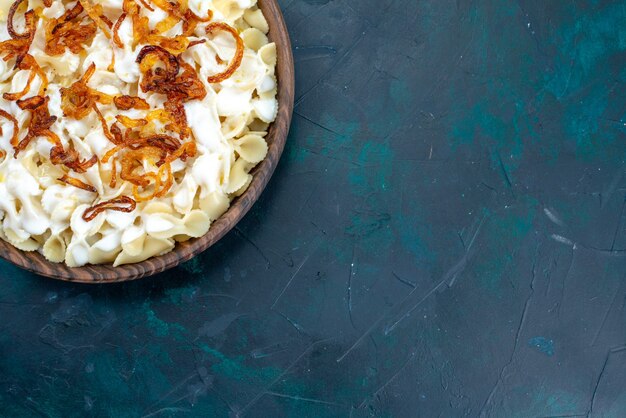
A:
x: 127, y: 126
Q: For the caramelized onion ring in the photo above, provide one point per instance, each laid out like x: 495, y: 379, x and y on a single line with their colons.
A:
x: 163, y: 54
x: 16, y: 129
x: 208, y: 17
x: 10, y: 27
x: 31, y: 103
x: 68, y: 31
x: 82, y: 166
x: 168, y: 183
x: 130, y: 7
x: 87, y: 76
x: 165, y: 142
x: 176, y: 45
x: 181, y: 12
x: 170, y: 8
x: 160, y: 188
x: 133, y: 159
x: 196, y: 42
x: 116, y: 28
x: 113, y: 204
x: 186, y: 150
x: 106, y: 20
x: 40, y: 123
x: 110, y: 153
x: 21, y: 146
x: 68, y: 16
x: 236, y: 61
x: 171, y: 62
x: 138, y: 197
x: 77, y: 183
x: 17, y: 47
x: 111, y: 67
x: 130, y: 122
x: 191, y: 20
x: 117, y: 134
x: 146, y: 5
x: 113, y: 181
x: 77, y: 100
x: 130, y: 102
x: 18, y: 95
x: 95, y: 16
x: 14, y: 48
x: 29, y: 63
x: 103, y: 122
x: 71, y: 159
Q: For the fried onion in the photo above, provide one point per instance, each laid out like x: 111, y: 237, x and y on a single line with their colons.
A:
x: 236, y: 61
x: 40, y: 123
x: 10, y: 118
x: 78, y: 100
x: 130, y: 102
x: 17, y: 47
x: 69, y: 32
x: 77, y: 183
x: 70, y: 159
x: 116, y: 28
x: 11, y: 29
x: 95, y: 13
x: 30, y: 103
x: 113, y: 204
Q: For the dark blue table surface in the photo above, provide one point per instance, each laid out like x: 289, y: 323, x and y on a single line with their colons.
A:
x: 445, y: 236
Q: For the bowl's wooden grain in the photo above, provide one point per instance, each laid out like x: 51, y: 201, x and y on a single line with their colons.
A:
x: 35, y: 262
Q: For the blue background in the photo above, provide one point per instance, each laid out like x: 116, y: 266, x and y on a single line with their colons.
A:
x: 445, y: 236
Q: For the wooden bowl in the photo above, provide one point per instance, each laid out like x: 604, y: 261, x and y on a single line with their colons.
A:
x: 277, y: 136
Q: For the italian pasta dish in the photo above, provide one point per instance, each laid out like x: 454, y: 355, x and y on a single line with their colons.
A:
x: 127, y: 126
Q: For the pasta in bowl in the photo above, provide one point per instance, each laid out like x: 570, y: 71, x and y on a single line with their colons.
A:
x: 135, y: 133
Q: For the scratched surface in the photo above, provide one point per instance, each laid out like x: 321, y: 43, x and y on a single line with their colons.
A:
x: 445, y: 236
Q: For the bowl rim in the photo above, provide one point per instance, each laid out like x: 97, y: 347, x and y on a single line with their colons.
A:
x: 276, y: 138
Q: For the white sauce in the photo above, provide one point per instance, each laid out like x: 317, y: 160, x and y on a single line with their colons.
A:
x: 35, y: 205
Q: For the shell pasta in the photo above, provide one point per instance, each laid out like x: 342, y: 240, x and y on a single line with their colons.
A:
x: 128, y: 126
